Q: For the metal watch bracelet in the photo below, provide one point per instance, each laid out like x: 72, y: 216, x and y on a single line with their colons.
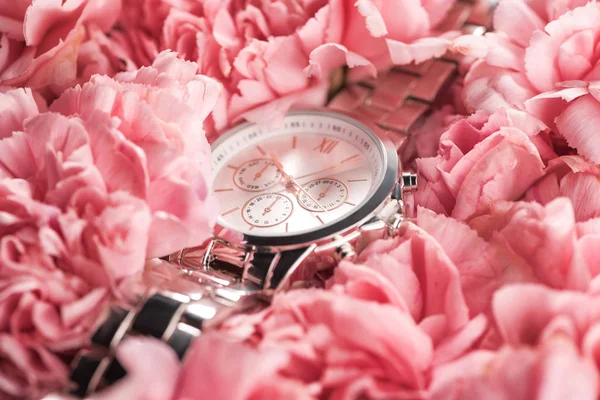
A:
x: 213, y: 281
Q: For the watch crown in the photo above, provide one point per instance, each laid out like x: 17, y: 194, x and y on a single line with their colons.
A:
x: 409, y: 182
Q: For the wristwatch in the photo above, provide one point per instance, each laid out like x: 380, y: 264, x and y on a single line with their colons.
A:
x: 323, y: 182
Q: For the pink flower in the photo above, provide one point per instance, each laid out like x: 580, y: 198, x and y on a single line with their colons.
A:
x: 39, y: 40
x: 110, y: 53
x: 260, y: 51
x: 424, y: 140
x: 341, y: 346
x: 65, y: 247
x: 86, y: 198
x: 152, y: 121
x: 481, y: 160
x: 572, y: 111
x: 396, y: 32
x: 548, y: 334
x: 535, y: 46
x: 255, y: 374
x: 415, y: 274
x: 28, y: 369
x: 429, y: 289
x: 546, y: 240
x: 554, y: 369
x: 517, y: 242
x: 270, y: 56
x: 572, y: 177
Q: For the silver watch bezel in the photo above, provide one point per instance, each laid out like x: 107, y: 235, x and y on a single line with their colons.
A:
x: 362, y: 213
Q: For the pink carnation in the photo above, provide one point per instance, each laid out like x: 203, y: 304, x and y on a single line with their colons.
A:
x: 572, y: 111
x: 516, y: 63
x: 482, y: 160
x: 383, y: 323
x: 551, y: 349
x: 156, y: 131
x: 269, y: 56
x: 572, y: 177
x: 342, y: 346
x: 86, y: 195
x: 66, y: 246
x: 39, y: 40
x: 255, y: 374
x: 517, y: 242
x: 538, y: 47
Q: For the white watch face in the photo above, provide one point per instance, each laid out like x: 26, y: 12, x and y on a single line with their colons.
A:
x: 313, y: 170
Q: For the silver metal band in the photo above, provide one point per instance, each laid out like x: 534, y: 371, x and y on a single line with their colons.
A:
x: 175, y: 312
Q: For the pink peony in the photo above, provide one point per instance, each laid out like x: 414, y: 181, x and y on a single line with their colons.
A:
x: 39, y: 40
x: 481, y: 160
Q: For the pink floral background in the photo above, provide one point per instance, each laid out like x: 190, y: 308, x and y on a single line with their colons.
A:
x: 107, y: 108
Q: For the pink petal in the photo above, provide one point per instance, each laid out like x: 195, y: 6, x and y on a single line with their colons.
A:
x: 152, y: 371
x: 417, y: 51
x: 578, y: 125
x: 517, y: 20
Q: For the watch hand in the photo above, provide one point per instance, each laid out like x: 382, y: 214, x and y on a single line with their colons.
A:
x: 268, y: 209
x: 351, y: 163
x: 291, y: 180
x: 323, y: 194
x: 259, y: 173
x: 340, y: 168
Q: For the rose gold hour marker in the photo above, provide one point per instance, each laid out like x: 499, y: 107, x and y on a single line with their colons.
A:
x: 232, y: 167
x: 351, y: 204
x: 230, y: 211
x: 357, y: 180
x: 286, y: 226
x: 319, y: 218
x: 350, y: 158
x: 251, y: 227
x: 326, y: 145
x: 224, y: 190
x: 261, y: 151
x: 294, y: 142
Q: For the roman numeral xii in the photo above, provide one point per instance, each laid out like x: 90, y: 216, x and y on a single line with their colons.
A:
x: 326, y: 145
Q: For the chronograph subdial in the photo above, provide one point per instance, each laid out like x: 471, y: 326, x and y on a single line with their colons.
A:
x: 267, y: 210
x: 257, y: 175
x: 329, y: 193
